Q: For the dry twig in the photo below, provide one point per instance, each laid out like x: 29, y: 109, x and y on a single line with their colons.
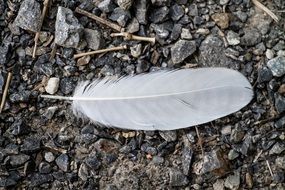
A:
x: 4, y: 96
x: 99, y: 19
x: 100, y: 51
x: 129, y: 36
x: 266, y: 10
x: 269, y: 168
x: 46, y: 2
x: 200, y: 141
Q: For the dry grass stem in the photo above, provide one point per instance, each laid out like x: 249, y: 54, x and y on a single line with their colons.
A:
x: 129, y: 36
x: 4, y: 96
x: 100, y: 51
x: 46, y: 2
x: 265, y: 9
x: 99, y: 19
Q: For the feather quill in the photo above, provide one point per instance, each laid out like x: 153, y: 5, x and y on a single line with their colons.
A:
x: 163, y: 100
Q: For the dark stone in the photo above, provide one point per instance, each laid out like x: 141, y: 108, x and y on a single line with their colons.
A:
x: 31, y: 144
x: 39, y: 179
x: 18, y: 160
x: 214, y: 161
x: 177, y: 178
x: 43, y: 66
x: 251, y: 37
x: 7, y: 182
x: 279, y: 103
x: 87, y: 5
x: 176, y: 32
x: 142, y: 66
x: 68, y: 30
x: 169, y: 136
x: 280, y: 123
x: 106, y: 6
x: 62, y: 162
x: 45, y: 168
x: 212, y: 54
x: 181, y: 50
x: 29, y: 16
x: 187, y: 155
x: 237, y: 134
x: 161, y: 31
x: 160, y: 2
x: 264, y: 75
x: 278, y: 148
x: 159, y: 15
x: 193, y: 10
x: 4, y: 50
x: 21, y: 96
x: 141, y: 11
x: 86, y: 138
x: 67, y: 85
x: 1, y: 79
x: 176, y: 12
x: 93, y: 163
x: 18, y: 128
x: 245, y: 146
x: 120, y: 16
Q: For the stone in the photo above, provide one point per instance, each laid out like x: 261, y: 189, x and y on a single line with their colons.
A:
x: 142, y: 66
x: 1, y: 82
x: 83, y: 172
x: 177, y: 178
x: 278, y: 148
x: 18, y: 128
x: 66, y: 85
x: 159, y: 15
x: 224, y: 2
x: 186, y: 34
x: 264, y: 75
x: 141, y: 11
x: 280, y: 123
x: 18, y: 160
x: 94, y: 39
x: 269, y: 54
x: 39, y: 179
x: 49, y: 113
x: 280, y: 162
x: 176, y: 32
x: 31, y: 144
x: 233, y: 38
x: 120, y: 16
x: 233, y: 181
x: 232, y: 154
x: 251, y: 37
x: 106, y: 146
x: 62, y: 162
x: 157, y: 160
x: 4, y: 53
x: 43, y: 66
x: 125, y: 4
x: 221, y: 19
x: 45, y: 168
x: 29, y: 16
x: 133, y: 26
x: 52, y: 85
x: 68, y: 30
x: 106, y: 6
x: 93, y: 162
x: 279, y: 103
x: 212, y: 53
x: 237, y: 134
x: 83, y: 60
x: 181, y: 50
x: 160, y: 2
x: 245, y: 146
x: 176, y: 12
x: 187, y: 156
x: 136, y: 50
x: 49, y: 157
x: 277, y: 66
x: 169, y: 136
x: 219, y: 185
x: 193, y: 10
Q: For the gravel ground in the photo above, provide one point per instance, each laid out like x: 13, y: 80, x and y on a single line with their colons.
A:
x: 43, y: 146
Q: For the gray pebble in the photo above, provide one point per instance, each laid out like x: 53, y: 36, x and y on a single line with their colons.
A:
x: 233, y: 38
x: 125, y: 4
x: 176, y: 12
x: 52, y: 85
x: 279, y: 103
x: 159, y: 15
x: 62, y: 162
x: 177, y: 178
x: 277, y: 66
x: 251, y: 37
x: 233, y: 181
x: 181, y: 50
x: 120, y: 16
x: 280, y: 162
x: 232, y: 154
x: 278, y: 148
x: 93, y: 38
x: 106, y: 6
x: 18, y: 160
x: 141, y: 11
x: 49, y: 157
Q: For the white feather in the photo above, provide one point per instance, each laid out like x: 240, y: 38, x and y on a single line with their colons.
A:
x: 164, y: 100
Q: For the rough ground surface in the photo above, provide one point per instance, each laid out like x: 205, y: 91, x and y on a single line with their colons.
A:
x: 42, y: 145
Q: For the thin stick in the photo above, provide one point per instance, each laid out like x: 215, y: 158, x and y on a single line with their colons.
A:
x: 268, y: 165
x: 129, y: 36
x: 4, y: 96
x: 46, y: 2
x: 258, y: 155
x: 99, y: 19
x: 56, y: 97
x: 266, y: 10
x: 100, y: 51
x: 199, y: 140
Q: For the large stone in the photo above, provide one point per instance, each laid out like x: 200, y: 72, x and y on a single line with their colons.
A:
x: 141, y: 11
x: 68, y: 30
x: 181, y: 50
x: 94, y: 39
x: 29, y: 16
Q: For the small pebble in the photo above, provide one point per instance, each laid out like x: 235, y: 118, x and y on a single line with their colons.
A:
x: 52, y: 85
